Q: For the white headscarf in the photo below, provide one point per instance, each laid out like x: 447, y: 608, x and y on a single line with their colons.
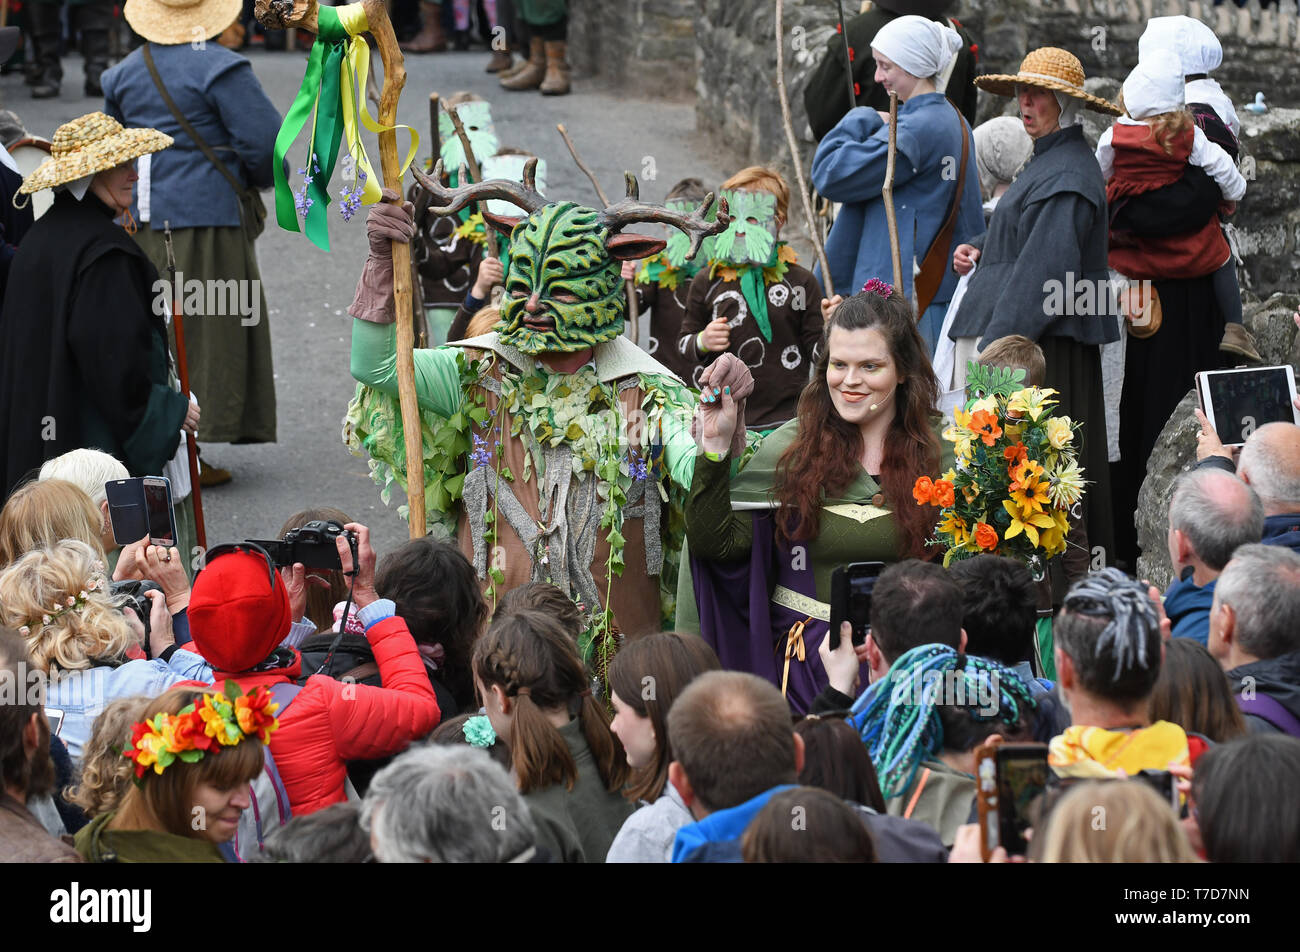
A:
x: 1197, y: 48
x: 78, y: 187
x: 920, y: 46
x: 1002, y: 147
x: 1155, y: 86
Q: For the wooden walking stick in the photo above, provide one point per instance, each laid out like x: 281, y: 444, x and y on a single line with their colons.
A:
x: 471, y: 162
x: 357, y: 18
x: 629, y: 286
x: 784, y: 95
x: 887, y: 192
x: 183, y: 371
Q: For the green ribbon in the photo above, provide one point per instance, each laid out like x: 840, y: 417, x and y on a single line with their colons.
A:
x: 754, y: 289
x: 319, y: 95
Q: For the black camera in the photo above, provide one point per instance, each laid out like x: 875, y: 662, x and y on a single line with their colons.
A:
x: 137, y: 602
x: 313, y: 545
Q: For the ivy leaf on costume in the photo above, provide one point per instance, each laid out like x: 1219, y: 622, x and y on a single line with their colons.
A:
x: 751, y: 236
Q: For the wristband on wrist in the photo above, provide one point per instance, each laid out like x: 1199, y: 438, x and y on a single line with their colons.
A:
x: 713, y: 457
x: 699, y: 343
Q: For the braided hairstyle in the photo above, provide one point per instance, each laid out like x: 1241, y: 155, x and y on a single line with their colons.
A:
x: 1111, y: 632
x: 899, y: 716
x: 533, y: 659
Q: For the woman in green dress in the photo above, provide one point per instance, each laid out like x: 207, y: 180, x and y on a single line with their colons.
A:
x: 831, y: 487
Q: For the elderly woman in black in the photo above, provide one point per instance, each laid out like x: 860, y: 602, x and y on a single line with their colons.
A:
x: 1042, y: 263
x: 84, y: 360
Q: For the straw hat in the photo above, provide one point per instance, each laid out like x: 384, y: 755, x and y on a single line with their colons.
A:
x: 89, y: 144
x: 170, y: 22
x: 1049, y: 68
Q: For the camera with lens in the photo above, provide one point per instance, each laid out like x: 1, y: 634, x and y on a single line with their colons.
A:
x: 136, y: 600
x: 312, y: 544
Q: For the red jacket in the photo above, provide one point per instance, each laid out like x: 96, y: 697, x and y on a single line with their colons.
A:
x: 330, y: 723
x: 1141, y: 166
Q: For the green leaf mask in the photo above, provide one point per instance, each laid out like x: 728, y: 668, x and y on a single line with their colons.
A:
x: 476, y: 117
x: 751, y: 236
x: 679, y: 242
x: 559, y: 264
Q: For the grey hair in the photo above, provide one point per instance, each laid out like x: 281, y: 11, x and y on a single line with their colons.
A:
x: 450, y: 804
x: 1110, y: 593
x: 1208, y: 508
x: 1262, y: 584
x: 1272, y: 468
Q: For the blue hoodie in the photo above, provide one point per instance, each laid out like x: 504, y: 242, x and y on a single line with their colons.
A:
x: 1283, y: 530
x: 723, y: 828
x: 1188, y: 607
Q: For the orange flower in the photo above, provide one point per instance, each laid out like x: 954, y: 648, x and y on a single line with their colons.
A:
x: 985, y: 425
x: 923, y: 491
x: 1015, y: 455
x: 986, y: 537
x: 943, y: 494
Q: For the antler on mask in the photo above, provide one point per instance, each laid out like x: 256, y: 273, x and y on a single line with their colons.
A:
x: 696, y: 225
x: 524, y: 195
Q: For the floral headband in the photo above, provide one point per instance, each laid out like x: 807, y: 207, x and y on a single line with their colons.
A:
x: 218, y: 720
x: 876, y: 286
x: 73, y: 603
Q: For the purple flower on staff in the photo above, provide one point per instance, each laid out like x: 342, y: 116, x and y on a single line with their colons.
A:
x: 637, y: 468
x: 302, y: 201
x: 481, y: 455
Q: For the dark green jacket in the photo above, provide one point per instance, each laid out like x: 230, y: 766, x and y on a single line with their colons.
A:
x: 578, y: 825
x: 98, y: 844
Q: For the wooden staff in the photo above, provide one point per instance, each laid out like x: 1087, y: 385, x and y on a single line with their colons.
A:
x: 784, y: 95
x: 629, y: 286
x: 887, y: 192
x: 183, y: 371
x: 489, y: 233
x: 301, y: 14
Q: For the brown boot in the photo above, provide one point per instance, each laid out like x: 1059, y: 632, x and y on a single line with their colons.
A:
x: 1240, y: 343
x: 501, y: 61
x: 430, y: 39
x: 556, y: 82
x: 530, y: 77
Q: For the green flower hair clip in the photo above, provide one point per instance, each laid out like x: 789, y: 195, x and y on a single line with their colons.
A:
x: 478, y: 732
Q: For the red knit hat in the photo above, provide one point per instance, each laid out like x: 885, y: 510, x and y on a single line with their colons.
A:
x: 238, y: 614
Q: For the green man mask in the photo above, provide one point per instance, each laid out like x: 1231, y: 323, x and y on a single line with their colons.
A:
x: 563, y: 289
x: 751, y: 237
x: 476, y: 117
x: 679, y: 242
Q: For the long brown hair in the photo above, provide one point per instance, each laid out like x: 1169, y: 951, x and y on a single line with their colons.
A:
x: 647, y: 674
x: 535, y: 662
x: 825, y: 454
x: 1192, y: 692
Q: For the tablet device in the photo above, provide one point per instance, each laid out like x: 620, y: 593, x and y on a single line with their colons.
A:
x: 1239, y: 402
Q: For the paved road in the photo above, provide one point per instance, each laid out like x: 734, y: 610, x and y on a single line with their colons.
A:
x: 308, y: 290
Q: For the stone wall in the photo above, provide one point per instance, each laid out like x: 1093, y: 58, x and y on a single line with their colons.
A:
x: 643, y: 45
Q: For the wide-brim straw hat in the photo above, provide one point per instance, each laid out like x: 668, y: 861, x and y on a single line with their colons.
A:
x: 1049, y: 68
x: 89, y: 144
x: 170, y: 22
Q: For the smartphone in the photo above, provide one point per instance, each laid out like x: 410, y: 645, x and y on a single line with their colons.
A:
x: 1238, y: 402
x: 55, y: 717
x: 139, y: 507
x: 158, y: 510
x: 126, y: 510
x: 1009, y: 780
x: 1163, y: 783
x: 851, y: 587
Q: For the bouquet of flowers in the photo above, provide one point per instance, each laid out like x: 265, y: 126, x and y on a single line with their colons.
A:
x: 1016, y: 478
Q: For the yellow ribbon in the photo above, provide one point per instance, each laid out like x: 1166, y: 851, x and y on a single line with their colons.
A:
x: 356, y: 66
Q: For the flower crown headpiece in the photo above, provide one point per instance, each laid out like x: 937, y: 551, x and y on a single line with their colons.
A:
x: 72, y: 603
x: 216, y: 721
x: 876, y: 286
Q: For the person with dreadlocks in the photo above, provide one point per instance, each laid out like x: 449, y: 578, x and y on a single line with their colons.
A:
x: 922, y: 722
x: 1108, y: 657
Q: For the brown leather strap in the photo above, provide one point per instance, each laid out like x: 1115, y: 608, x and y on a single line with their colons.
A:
x: 935, y: 266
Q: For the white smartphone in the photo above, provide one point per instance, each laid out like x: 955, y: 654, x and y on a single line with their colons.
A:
x: 1239, y: 402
